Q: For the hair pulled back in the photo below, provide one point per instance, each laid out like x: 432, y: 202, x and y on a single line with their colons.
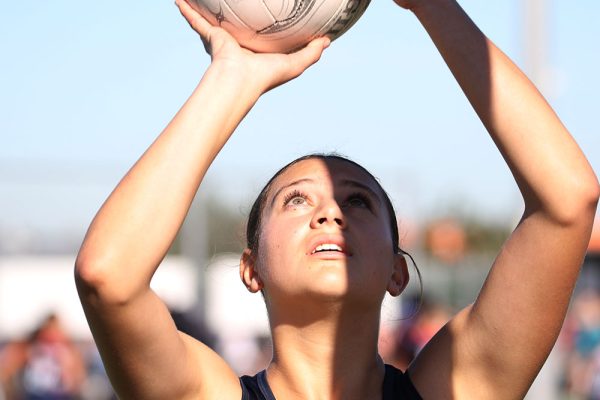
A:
x: 255, y: 217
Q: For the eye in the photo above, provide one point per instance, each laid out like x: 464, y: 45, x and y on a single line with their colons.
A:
x: 358, y: 200
x: 295, y: 198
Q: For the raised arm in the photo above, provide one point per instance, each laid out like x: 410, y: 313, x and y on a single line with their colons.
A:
x: 145, y: 356
x: 495, y: 348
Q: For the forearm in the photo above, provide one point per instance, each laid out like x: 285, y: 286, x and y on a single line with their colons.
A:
x: 548, y: 166
x: 523, y: 301
x: 137, y: 224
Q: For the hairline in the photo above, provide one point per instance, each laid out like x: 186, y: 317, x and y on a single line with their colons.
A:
x: 262, y: 199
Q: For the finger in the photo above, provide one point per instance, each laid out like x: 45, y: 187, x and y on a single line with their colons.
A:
x: 196, y: 21
x: 404, y: 4
x: 308, y: 55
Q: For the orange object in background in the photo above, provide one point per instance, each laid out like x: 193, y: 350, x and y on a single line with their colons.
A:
x: 446, y: 240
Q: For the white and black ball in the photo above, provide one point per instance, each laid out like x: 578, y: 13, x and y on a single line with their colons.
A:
x: 281, y: 26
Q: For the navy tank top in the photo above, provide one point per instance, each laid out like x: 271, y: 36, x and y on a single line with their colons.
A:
x: 396, y: 386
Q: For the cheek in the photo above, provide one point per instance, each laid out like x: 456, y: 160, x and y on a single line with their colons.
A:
x: 379, y: 251
x: 379, y: 233
x: 277, y: 243
x: 282, y: 231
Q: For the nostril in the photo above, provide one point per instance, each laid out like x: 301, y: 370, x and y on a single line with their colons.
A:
x: 322, y: 220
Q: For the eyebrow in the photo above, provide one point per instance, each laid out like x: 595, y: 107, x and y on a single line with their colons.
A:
x: 294, y: 183
x: 360, y: 185
x: 344, y: 182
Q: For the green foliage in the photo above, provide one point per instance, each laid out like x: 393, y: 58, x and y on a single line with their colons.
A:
x: 484, y: 237
x: 225, y: 228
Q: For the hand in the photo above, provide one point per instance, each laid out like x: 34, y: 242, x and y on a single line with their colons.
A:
x: 414, y: 5
x: 407, y: 4
x: 267, y: 70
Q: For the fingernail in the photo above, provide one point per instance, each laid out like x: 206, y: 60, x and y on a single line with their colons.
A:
x: 326, y: 42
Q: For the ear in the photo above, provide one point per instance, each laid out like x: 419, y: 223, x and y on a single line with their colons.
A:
x: 248, y: 272
x: 399, y: 278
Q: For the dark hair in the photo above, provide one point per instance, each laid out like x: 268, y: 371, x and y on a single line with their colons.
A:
x: 254, y: 219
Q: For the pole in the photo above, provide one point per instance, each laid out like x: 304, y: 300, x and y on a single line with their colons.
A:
x: 535, y: 41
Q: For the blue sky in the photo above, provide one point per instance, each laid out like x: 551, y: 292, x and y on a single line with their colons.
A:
x: 83, y: 91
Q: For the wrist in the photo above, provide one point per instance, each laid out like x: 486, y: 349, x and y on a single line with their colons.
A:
x: 217, y: 105
x: 232, y: 79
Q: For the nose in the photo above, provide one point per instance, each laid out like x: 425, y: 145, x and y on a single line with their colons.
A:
x: 329, y: 213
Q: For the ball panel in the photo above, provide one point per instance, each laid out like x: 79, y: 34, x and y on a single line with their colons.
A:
x: 209, y: 9
x: 281, y: 25
x: 302, y: 9
x: 218, y: 13
x: 280, y: 9
x: 233, y: 24
x: 254, y: 13
x: 343, y: 20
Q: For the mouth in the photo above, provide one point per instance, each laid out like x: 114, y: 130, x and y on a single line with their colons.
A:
x: 327, y: 247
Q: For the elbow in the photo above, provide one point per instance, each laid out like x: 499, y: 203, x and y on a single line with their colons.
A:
x: 578, y: 204
x: 87, y: 271
x: 92, y: 268
x: 595, y: 195
x: 91, y: 277
x: 97, y: 281
x: 589, y: 197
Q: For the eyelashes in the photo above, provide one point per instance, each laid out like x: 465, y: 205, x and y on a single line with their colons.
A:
x: 355, y: 199
x: 358, y: 199
x: 295, y: 194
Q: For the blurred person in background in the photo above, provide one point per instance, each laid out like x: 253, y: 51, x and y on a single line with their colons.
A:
x: 409, y: 337
x: 45, y: 366
x: 323, y: 248
x: 581, y: 344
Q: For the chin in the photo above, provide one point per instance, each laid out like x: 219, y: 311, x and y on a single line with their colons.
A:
x: 334, y: 287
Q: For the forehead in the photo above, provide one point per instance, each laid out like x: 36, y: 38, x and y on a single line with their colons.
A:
x: 335, y: 171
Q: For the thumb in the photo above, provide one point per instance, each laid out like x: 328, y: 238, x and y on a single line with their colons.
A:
x: 308, y: 55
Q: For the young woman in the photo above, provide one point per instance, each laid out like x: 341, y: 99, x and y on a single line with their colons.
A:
x: 322, y: 245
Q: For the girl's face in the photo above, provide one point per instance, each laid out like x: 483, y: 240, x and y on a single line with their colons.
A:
x: 325, y: 231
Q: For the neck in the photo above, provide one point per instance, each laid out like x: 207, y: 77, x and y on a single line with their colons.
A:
x: 332, y: 355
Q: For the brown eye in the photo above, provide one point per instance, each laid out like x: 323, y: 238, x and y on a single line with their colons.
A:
x: 358, y: 200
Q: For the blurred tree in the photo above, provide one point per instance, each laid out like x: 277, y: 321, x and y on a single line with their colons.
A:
x: 449, y: 239
x: 223, y: 226
x: 484, y: 237
x: 226, y: 228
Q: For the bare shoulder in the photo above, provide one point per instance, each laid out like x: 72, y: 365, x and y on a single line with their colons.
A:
x: 453, y: 366
x: 434, y: 371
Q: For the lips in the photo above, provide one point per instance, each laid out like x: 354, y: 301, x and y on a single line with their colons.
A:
x: 328, y: 245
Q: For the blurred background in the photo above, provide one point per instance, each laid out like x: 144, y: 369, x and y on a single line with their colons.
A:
x: 85, y: 88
